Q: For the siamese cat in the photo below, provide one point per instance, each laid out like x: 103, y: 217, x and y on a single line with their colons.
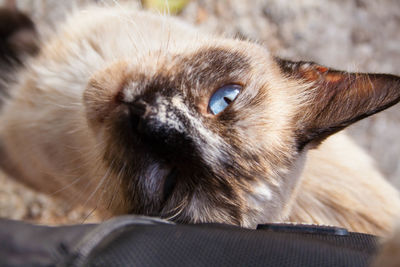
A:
x: 132, y: 112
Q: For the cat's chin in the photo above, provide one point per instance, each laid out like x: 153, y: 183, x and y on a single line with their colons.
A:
x: 169, y: 184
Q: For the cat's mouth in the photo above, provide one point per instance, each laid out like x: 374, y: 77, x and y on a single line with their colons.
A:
x: 169, y: 184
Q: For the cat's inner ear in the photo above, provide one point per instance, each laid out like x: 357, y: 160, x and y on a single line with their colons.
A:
x: 337, y: 98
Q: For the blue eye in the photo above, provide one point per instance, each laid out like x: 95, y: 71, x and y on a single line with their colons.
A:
x: 221, y: 99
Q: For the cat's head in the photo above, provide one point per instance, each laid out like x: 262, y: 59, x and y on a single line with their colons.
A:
x: 219, y: 132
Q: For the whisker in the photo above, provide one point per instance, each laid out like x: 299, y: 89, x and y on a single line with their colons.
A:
x: 106, y: 175
x: 133, y: 23
x: 67, y: 186
x: 179, y: 209
x: 89, y: 214
x: 97, y: 202
x: 116, y: 188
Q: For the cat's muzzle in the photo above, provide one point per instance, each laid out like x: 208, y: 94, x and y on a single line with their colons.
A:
x: 161, y: 129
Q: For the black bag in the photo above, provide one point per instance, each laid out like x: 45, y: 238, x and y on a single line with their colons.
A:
x: 143, y: 241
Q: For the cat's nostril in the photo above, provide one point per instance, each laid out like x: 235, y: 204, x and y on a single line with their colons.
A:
x: 138, y: 108
x: 137, y: 113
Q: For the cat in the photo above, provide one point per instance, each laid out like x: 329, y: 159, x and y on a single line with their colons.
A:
x: 132, y: 112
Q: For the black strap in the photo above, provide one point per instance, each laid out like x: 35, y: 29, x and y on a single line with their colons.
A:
x: 141, y: 241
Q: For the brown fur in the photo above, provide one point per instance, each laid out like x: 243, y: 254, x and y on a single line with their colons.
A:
x: 118, y: 117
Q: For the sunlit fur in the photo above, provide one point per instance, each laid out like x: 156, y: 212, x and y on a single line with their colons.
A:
x: 61, y: 129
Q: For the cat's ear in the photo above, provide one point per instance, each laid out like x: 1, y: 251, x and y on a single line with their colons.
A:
x: 338, y: 98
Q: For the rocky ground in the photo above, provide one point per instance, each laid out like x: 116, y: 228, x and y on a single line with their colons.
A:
x: 355, y: 35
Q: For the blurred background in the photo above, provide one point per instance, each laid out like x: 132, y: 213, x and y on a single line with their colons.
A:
x: 353, y: 35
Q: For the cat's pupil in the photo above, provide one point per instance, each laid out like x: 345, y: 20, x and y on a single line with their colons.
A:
x: 227, y: 100
x: 223, y: 97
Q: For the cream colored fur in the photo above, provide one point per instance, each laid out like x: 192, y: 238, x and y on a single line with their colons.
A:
x: 341, y: 186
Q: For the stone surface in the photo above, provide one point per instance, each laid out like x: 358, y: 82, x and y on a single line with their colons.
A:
x: 354, y: 35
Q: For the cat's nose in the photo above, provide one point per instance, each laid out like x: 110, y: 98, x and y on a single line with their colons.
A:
x: 157, y: 125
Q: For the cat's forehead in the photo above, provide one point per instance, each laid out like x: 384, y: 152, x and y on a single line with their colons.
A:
x: 196, y: 70
x: 213, y: 62
x: 208, y: 65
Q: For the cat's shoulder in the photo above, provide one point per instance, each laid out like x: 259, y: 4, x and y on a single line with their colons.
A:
x: 338, y: 178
